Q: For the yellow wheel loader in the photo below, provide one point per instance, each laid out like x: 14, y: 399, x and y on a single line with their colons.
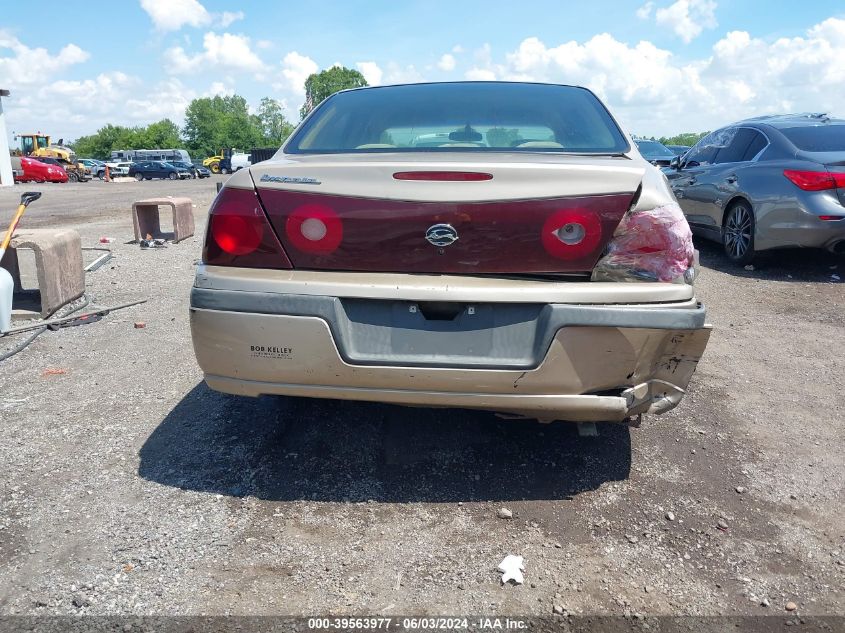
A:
x: 221, y: 163
x: 40, y: 146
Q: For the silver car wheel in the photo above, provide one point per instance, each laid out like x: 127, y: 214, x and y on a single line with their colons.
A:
x: 738, y: 230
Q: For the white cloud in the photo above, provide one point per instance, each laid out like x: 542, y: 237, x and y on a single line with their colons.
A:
x: 167, y: 99
x: 397, y: 74
x: 446, y: 63
x: 457, y: 49
x: 295, y: 69
x: 219, y: 89
x: 106, y: 87
x: 76, y: 102
x: 484, y: 54
x: 228, y: 17
x: 644, y: 12
x: 70, y: 109
x: 688, y: 18
x: 32, y: 66
x: 226, y: 51
x: 172, y: 15
x: 62, y: 107
x: 264, y: 44
x: 484, y: 69
x: 653, y: 92
x: 480, y: 74
x: 371, y: 71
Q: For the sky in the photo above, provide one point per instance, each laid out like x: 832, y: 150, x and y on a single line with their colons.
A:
x: 662, y: 66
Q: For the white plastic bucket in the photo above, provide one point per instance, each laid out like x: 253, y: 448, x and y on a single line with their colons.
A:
x: 7, y: 286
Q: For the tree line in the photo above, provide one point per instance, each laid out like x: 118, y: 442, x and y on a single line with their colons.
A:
x: 215, y: 123
x: 211, y: 124
x: 686, y: 138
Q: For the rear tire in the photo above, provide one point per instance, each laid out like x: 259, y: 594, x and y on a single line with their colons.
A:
x: 139, y: 177
x: 173, y: 175
x: 72, y: 177
x: 224, y: 171
x: 738, y: 233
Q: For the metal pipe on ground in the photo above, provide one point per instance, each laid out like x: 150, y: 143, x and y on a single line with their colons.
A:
x: 53, y: 322
x: 102, y: 259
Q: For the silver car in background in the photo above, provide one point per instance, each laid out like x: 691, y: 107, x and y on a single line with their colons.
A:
x: 766, y: 183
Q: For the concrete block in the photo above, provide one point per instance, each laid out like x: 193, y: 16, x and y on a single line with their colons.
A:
x: 58, y: 265
x: 146, y: 219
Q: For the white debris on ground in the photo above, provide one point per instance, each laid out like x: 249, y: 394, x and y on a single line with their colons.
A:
x: 512, y: 568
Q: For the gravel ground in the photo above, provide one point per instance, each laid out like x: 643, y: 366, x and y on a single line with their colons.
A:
x: 127, y: 487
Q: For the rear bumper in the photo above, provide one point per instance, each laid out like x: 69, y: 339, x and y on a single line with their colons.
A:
x: 551, y: 361
x: 575, y: 408
x: 795, y: 223
x: 815, y: 233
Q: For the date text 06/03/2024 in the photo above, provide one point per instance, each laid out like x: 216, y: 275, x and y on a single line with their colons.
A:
x: 417, y: 623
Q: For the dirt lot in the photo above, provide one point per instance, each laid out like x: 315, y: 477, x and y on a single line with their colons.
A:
x: 126, y: 486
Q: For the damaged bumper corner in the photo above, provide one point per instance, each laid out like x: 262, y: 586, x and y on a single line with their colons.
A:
x: 674, y: 369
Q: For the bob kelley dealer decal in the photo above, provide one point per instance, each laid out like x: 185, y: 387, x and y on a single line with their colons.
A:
x: 271, y: 351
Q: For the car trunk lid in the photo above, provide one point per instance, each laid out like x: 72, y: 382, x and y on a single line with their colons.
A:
x: 462, y: 213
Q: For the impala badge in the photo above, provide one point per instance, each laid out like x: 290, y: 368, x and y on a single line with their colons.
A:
x: 441, y: 234
x: 296, y: 180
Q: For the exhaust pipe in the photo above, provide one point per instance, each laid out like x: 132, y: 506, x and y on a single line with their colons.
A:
x: 837, y: 248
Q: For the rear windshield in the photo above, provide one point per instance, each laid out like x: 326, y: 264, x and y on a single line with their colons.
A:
x: 817, y: 138
x: 482, y: 116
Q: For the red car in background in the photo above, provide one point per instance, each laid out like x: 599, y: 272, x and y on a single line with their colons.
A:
x: 33, y: 170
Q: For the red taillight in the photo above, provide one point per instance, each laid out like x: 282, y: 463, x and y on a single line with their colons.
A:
x: 447, y: 176
x: 314, y: 228
x: 239, y: 233
x: 235, y: 234
x: 571, y: 233
x: 831, y: 218
x: 387, y: 235
x: 815, y: 180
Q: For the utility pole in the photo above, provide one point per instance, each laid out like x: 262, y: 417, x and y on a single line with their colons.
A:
x: 6, y: 179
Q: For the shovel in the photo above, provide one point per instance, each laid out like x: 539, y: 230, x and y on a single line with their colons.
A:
x: 7, y: 284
